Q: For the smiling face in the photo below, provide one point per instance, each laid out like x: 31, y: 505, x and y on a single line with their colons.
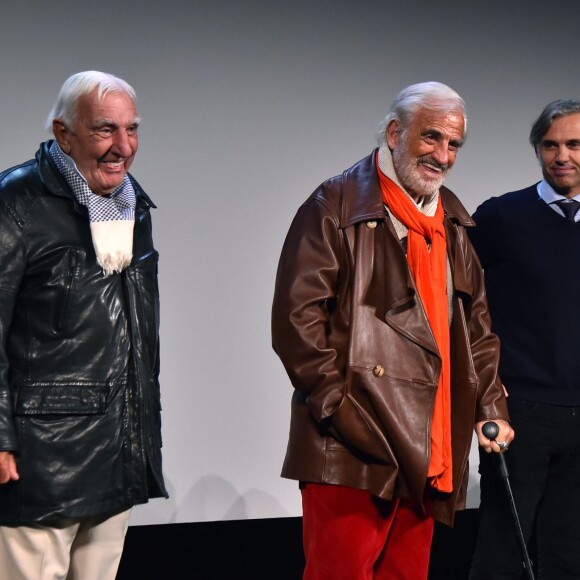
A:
x: 103, y: 139
x: 425, y: 151
x: 559, y: 155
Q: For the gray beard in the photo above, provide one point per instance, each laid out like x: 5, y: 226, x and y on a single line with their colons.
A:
x: 408, y: 174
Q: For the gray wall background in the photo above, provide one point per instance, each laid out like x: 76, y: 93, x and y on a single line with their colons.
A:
x: 246, y: 107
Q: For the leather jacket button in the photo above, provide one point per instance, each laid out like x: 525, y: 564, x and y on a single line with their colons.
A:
x: 378, y: 371
x: 372, y: 225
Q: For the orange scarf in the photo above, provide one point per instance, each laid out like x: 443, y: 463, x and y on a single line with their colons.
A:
x: 429, y: 270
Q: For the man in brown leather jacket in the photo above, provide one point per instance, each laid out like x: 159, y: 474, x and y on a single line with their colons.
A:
x: 381, y: 322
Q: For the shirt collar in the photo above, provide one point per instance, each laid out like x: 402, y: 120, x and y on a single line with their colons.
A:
x: 548, y: 194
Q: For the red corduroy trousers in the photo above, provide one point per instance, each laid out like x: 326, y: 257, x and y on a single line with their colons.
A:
x: 351, y: 535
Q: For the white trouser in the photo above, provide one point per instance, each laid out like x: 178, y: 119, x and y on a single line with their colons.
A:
x: 72, y: 549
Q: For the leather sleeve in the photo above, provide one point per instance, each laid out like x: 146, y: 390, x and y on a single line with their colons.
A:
x: 12, y: 260
x: 306, y: 286
x: 485, y: 347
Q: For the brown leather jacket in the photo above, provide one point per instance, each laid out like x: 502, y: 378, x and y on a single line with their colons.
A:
x: 358, y: 349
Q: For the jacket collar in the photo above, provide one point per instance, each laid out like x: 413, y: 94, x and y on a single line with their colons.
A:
x: 51, y: 177
x: 363, y: 199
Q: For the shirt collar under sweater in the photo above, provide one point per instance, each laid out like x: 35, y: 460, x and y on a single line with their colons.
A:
x: 548, y: 194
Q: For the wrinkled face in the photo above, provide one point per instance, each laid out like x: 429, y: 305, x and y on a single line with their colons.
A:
x: 425, y: 151
x: 559, y: 155
x: 103, y: 140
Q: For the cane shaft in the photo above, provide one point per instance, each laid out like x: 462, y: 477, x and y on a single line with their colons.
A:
x: 524, y: 549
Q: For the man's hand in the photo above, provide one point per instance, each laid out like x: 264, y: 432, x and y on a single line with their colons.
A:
x: 506, y: 435
x: 8, y: 471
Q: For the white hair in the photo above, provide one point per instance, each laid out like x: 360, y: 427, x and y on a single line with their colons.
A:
x: 79, y: 85
x: 431, y: 95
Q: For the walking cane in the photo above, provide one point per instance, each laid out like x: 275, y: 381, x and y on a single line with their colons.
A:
x: 490, y: 430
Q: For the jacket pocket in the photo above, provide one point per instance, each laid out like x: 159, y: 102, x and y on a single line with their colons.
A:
x: 357, y: 429
x: 58, y: 399
x: 384, y: 417
x: 71, y: 444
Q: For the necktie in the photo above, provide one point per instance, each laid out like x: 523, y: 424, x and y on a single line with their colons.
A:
x: 569, y: 207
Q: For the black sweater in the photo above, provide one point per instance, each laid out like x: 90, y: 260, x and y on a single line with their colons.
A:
x: 531, y: 258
